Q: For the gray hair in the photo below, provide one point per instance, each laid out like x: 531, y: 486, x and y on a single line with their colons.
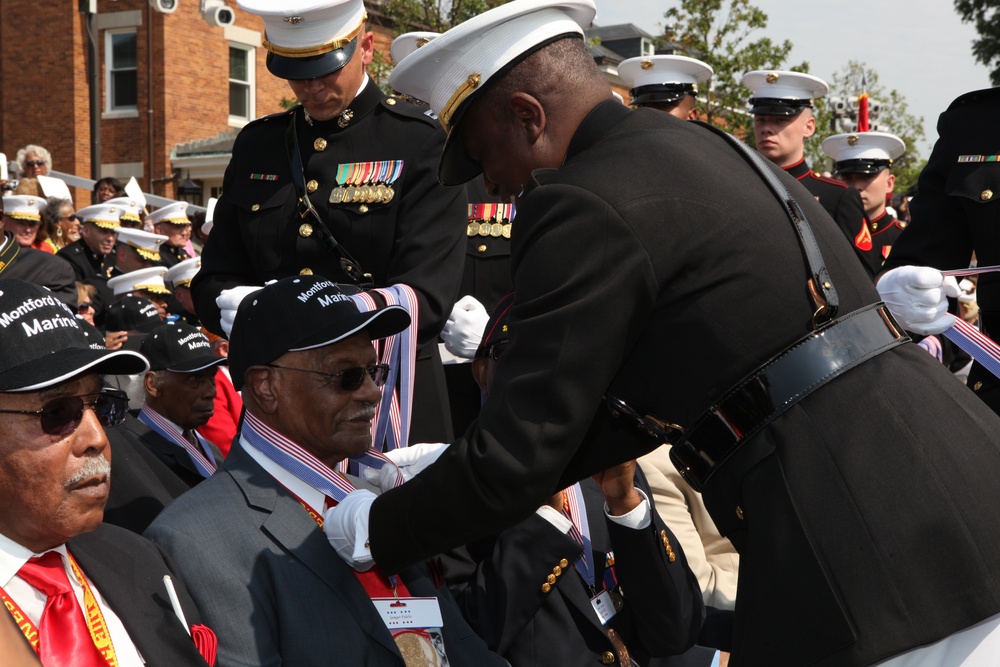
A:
x: 37, y: 150
x: 53, y: 208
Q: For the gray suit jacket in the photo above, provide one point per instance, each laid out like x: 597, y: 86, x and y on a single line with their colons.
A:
x: 269, y: 584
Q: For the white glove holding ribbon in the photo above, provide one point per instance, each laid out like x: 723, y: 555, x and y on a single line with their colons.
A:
x: 917, y: 297
x: 229, y: 301
x: 408, y: 461
x: 464, y: 329
x: 346, y: 527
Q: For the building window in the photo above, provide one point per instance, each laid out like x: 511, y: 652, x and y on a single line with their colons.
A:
x: 121, y: 69
x: 241, y: 88
x: 647, y: 47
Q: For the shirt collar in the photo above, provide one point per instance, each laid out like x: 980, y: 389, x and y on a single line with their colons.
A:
x: 13, y: 556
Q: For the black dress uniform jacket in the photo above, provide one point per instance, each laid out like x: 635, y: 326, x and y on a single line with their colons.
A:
x: 844, y: 205
x: 957, y: 212
x: 499, y: 583
x: 36, y: 266
x: 417, y: 238
x: 858, y: 513
x: 92, y: 269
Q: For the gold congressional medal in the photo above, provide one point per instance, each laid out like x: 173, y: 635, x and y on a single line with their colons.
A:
x: 305, y: 230
x: 320, y: 144
x: 417, y: 650
x: 617, y: 599
x: 620, y: 647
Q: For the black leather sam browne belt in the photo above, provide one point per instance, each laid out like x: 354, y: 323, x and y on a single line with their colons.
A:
x: 832, y: 347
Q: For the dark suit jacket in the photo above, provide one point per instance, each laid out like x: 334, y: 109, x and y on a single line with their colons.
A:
x: 92, y: 269
x: 128, y: 571
x: 498, y: 581
x: 141, y: 484
x: 270, y: 585
x: 874, y: 497
x: 956, y: 211
x: 176, y: 459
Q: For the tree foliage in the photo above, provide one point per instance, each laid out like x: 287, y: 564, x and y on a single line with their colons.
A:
x: 985, y: 14
x: 433, y: 15
x: 894, y: 116
x: 722, y: 34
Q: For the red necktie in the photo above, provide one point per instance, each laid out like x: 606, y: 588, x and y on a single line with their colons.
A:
x: 64, y: 638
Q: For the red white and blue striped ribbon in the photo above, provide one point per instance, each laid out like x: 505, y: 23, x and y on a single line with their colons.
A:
x: 581, y: 532
x: 296, y: 460
x: 969, y: 338
x: 206, y: 467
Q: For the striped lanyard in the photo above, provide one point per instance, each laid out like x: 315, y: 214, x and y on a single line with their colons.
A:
x: 576, y: 510
x: 150, y: 418
x: 970, y: 339
x: 296, y: 460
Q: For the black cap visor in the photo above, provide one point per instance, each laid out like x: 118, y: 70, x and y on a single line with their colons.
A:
x: 661, y: 93
x: 197, y: 364
x: 64, y: 364
x: 860, y: 166
x: 312, y: 67
x: 456, y: 166
x: 777, y: 106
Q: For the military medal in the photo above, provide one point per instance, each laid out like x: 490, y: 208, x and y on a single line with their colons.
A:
x: 337, y: 194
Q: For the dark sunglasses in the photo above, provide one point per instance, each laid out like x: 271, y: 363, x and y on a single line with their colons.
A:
x: 83, y: 306
x: 351, y: 379
x: 34, y: 163
x: 61, y: 416
x: 70, y: 217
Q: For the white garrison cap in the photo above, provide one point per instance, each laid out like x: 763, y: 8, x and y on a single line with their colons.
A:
x: 448, y: 71
x: 106, y: 215
x: 781, y: 93
x: 146, y: 244
x: 409, y: 42
x: 149, y: 279
x: 24, y: 207
x: 663, y: 78
x: 306, y: 39
x: 174, y: 214
x: 206, y: 226
x: 863, y: 152
x: 182, y: 273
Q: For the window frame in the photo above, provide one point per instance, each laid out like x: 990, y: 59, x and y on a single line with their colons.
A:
x: 250, y: 53
x: 110, y: 71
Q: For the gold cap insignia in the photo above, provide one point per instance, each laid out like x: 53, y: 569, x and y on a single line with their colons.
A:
x: 422, y: 41
x: 646, y: 64
x: 852, y: 140
x: 771, y: 77
x: 294, y: 20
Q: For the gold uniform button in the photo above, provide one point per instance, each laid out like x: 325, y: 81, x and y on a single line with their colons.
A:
x: 312, y: 186
x: 255, y: 207
x: 320, y: 144
x: 557, y: 571
x: 563, y: 563
x: 874, y: 226
x: 608, y: 658
x: 546, y: 587
x: 306, y: 272
x: 551, y: 579
x: 977, y: 386
x: 481, y: 248
x: 391, y: 102
x: 362, y: 209
x: 305, y: 230
x: 739, y: 512
x: 986, y: 195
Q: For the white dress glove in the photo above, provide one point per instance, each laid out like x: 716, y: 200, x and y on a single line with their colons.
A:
x: 229, y: 301
x: 346, y: 527
x: 464, y: 329
x: 917, y: 297
x: 408, y: 462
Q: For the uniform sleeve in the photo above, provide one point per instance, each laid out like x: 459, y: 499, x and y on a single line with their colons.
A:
x: 61, y: 279
x: 574, y: 259
x: 429, y: 252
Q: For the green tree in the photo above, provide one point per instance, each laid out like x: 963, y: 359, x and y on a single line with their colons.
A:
x: 893, y: 116
x: 721, y: 33
x: 985, y: 14
x: 433, y: 15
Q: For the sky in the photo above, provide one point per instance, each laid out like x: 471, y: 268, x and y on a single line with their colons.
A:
x: 919, y: 47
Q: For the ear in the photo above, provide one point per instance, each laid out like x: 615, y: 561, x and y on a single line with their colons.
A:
x: 262, y: 385
x: 890, y: 182
x: 151, y: 384
x: 809, y: 128
x: 479, y: 367
x: 529, y: 114
x: 367, y: 44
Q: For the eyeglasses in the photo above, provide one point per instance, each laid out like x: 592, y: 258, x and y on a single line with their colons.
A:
x: 351, y: 379
x: 34, y: 163
x: 84, y: 306
x: 70, y: 217
x: 62, y: 416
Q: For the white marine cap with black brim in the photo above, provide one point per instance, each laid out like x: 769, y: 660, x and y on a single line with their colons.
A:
x: 307, y: 39
x: 451, y: 72
x: 662, y: 79
x: 44, y: 344
x: 863, y: 152
x: 409, y: 42
x: 781, y: 93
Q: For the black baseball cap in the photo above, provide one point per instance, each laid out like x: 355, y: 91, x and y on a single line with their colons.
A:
x: 179, y: 347
x: 302, y: 313
x: 498, y: 327
x: 42, y: 342
x: 132, y: 313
